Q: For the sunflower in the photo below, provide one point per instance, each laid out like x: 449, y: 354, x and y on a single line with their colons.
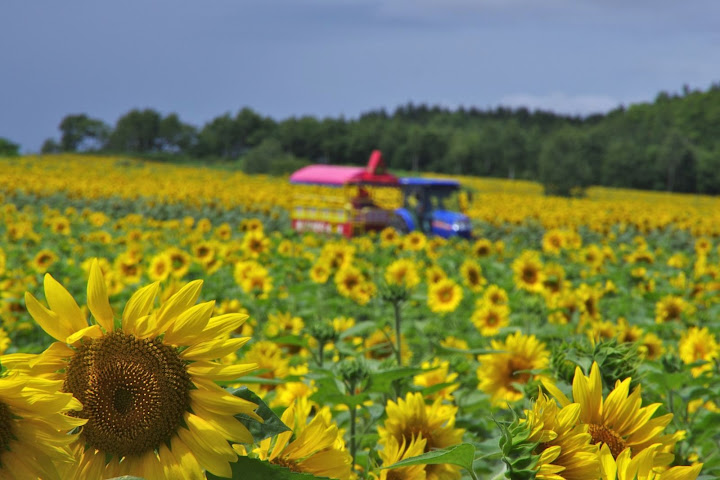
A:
x: 444, y: 296
x: 258, y: 282
x: 698, y: 345
x: 34, y: 426
x: 288, y: 392
x: 43, y: 260
x: 128, y: 268
x: 641, y: 467
x: 671, y: 308
x: 320, y: 272
x: 402, y: 272
x: 224, y: 231
x: 472, y: 275
x: 482, y: 247
x: 146, y: 383
x: 347, y: 279
x: 255, y: 244
x: 494, y: 295
x: 651, y: 346
x: 318, y: 447
x: 160, y: 267
x: 618, y: 420
x: 554, y: 279
x: 553, y: 241
x: 179, y: 261
x: 436, y: 373
x: 434, y: 273
x: 204, y: 252
x: 60, y: 225
x: 489, y: 319
x: 513, y: 364
x: 414, y: 241
x: 563, y: 445
x: 528, y: 271
x: 411, y: 418
x: 271, y: 362
x: 395, y: 451
x: 389, y: 237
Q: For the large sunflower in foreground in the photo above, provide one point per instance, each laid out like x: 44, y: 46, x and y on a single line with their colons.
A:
x: 563, y: 446
x: 618, y: 421
x: 410, y: 418
x: 318, y: 446
x: 146, y: 383
x: 34, y: 440
x: 641, y: 467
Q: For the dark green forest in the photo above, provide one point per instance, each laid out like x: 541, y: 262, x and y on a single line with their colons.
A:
x: 670, y: 144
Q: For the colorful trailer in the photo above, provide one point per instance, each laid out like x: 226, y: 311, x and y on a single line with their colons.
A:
x: 350, y: 209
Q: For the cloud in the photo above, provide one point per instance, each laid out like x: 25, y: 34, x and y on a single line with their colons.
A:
x: 562, y: 103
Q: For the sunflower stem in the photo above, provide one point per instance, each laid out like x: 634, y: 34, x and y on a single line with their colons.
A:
x: 398, y: 321
x: 353, y: 414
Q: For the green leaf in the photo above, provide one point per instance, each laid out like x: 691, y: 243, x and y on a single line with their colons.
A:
x: 462, y: 455
x: 247, y: 468
x: 469, y: 351
x: 272, y: 424
x: 382, y: 381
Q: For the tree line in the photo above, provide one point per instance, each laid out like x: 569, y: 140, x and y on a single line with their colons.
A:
x: 669, y: 144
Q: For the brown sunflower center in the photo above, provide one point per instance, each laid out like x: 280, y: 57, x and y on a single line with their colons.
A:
x: 134, y: 392
x: 608, y: 436
x: 287, y: 463
x: 6, y: 427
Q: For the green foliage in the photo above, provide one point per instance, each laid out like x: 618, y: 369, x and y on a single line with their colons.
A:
x: 461, y: 455
x: 8, y: 148
x: 563, y: 167
x: 247, y: 468
x: 269, y: 158
x: 271, y: 425
x: 517, y: 450
x: 79, y: 133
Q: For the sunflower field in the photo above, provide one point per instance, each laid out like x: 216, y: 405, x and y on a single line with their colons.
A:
x: 163, y: 321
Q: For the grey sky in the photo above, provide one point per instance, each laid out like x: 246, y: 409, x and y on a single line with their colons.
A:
x: 342, y: 57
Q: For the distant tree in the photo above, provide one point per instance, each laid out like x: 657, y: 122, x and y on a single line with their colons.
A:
x: 8, y: 148
x: 563, y: 164
x: 677, y: 158
x: 175, y: 136
x: 270, y: 158
x: 78, y: 132
x: 708, y: 172
x: 50, y: 145
x: 138, y: 131
x: 229, y: 137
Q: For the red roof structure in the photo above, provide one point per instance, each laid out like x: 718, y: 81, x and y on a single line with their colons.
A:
x: 337, y: 175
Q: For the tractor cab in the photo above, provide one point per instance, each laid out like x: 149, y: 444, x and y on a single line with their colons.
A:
x: 433, y: 206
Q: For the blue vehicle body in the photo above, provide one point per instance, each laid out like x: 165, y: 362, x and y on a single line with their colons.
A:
x: 424, y: 208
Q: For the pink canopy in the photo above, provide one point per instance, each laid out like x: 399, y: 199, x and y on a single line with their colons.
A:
x: 341, y: 175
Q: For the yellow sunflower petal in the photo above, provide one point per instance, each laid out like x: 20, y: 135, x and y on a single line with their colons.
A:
x: 221, y: 325
x: 186, y: 458
x: 178, y: 303
x: 93, y: 331
x: 47, y: 319
x: 97, y: 298
x: 220, y: 372
x: 62, y: 303
x: 213, y: 350
x: 188, y: 323
x: 139, y: 306
x: 212, y: 451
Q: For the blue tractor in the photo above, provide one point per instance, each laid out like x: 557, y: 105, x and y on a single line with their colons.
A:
x: 431, y: 206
